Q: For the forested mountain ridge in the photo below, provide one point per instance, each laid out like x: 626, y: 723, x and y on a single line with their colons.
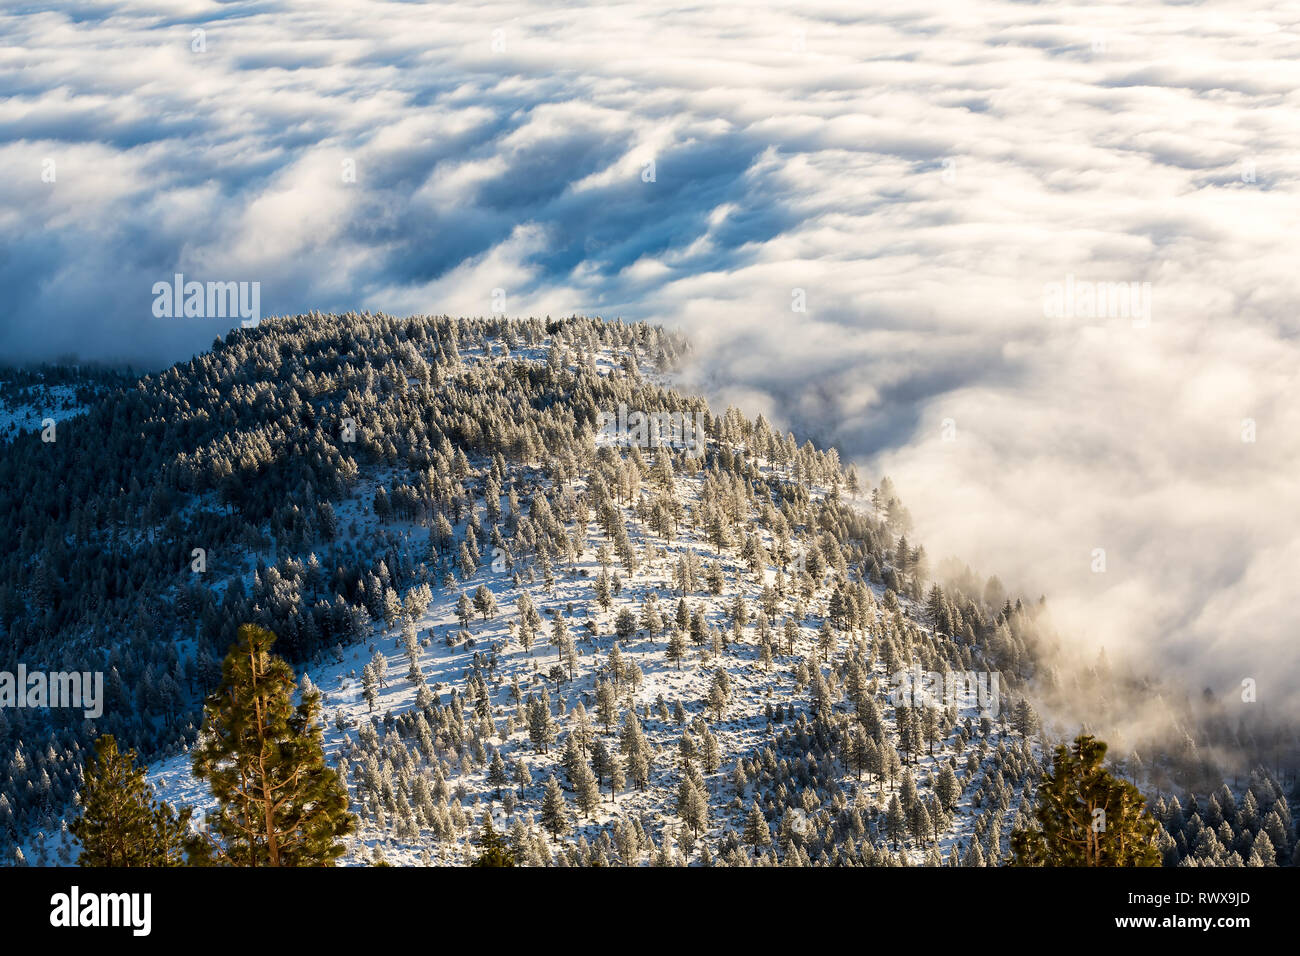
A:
x: 429, y: 514
x: 224, y: 453
x: 33, y: 398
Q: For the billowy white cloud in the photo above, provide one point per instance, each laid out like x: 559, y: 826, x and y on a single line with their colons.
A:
x: 919, y: 176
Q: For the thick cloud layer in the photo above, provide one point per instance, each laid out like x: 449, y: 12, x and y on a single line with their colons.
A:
x: 919, y: 179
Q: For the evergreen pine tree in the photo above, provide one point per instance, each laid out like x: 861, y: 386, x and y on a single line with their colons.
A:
x: 498, y: 776
x: 757, y: 834
x: 895, y: 820
x: 555, y: 812
x: 1086, y: 816
x: 586, y: 789
x: 493, y: 849
x: 121, y: 823
x: 279, y: 804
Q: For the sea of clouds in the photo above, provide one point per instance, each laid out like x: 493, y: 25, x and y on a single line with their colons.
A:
x: 856, y: 208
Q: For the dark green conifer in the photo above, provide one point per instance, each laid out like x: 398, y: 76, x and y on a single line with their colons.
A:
x: 1086, y: 816
x: 279, y: 803
x: 121, y: 823
x: 493, y: 850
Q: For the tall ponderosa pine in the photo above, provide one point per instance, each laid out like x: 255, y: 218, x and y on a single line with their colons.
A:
x: 121, y: 823
x: 279, y: 803
x: 1086, y: 816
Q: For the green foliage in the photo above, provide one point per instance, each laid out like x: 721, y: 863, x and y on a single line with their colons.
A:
x: 493, y: 850
x: 122, y: 824
x: 1086, y: 816
x: 280, y: 805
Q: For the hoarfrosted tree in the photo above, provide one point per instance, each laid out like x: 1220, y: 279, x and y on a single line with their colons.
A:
x: 676, y: 650
x: 571, y: 758
x: 379, y: 666
x: 464, y: 609
x: 617, y: 779
x: 692, y: 805
x: 606, y: 704
x: 857, y: 754
x: 1024, y: 721
x: 586, y: 789
x: 602, y: 590
x: 895, y: 821
x: 651, y: 618
x: 582, y: 731
x: 370, y: 686
x: 756, y: 835
x: 890, y: 764
x: 918, y: 823
x: 411, y: 647
x: 946, y: 788
x: 907, y: 790
x: 529, y: 621
x: 719, y: 692
x: 636, y: 751
x: 710, y: 752
x: 542, y: 728
x: 555, y: 810
x: 498, y: 775
x: 523, y: 778
x: 485, y: 602
x: 616, y: 665
x: 625, y: 623
x: 559, y: 631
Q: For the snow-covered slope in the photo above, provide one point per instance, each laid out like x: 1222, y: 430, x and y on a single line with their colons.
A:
x: 420, y: 776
